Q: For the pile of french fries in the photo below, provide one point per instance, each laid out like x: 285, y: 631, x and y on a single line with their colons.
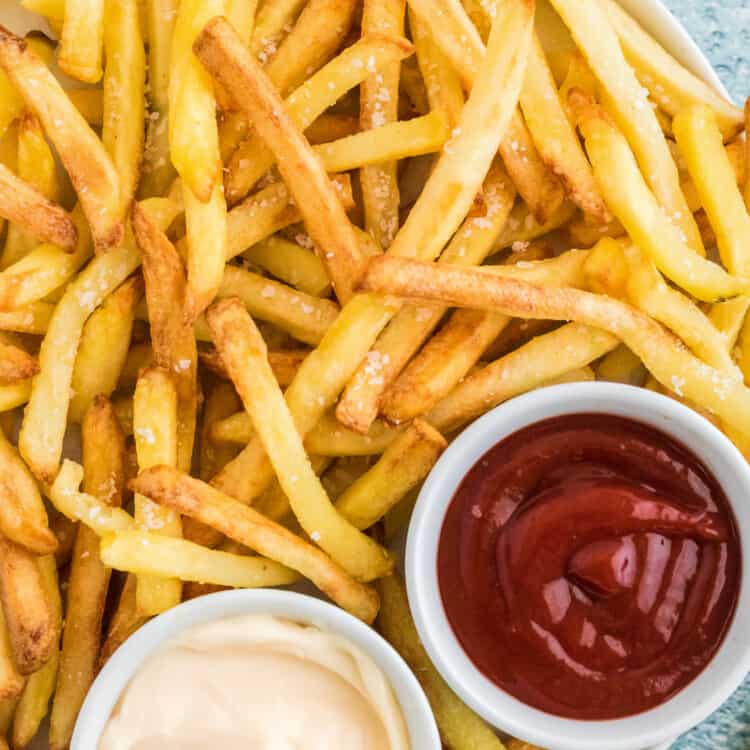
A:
x: 273, y: 256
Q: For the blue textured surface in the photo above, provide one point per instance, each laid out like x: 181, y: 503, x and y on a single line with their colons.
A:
x: 722, y: 30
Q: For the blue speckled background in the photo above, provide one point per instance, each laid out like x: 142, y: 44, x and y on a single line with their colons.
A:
x: 722, y: 30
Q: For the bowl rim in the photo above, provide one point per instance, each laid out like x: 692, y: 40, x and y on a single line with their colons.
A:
x: 692, y: 704
x: 147, y: 640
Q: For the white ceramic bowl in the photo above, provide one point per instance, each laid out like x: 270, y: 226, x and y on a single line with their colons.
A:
x: 690, y: 706
x: 126, y: 661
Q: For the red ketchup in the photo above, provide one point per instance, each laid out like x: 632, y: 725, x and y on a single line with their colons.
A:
x: 589, y: 566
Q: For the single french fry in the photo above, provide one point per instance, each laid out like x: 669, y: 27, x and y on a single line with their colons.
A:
x: 646, y: 222
x: 104, y: 478
x: 628, y: 103
x: 123, y: 105
x: 11, y: 681
x: 331, y: 127
x: 240, y: 344
x: 25, y: 206
x: 360, y: 402
x: 23, y: 517
x: 305, y: 317
x: 606, y: 268
x: 405, y: 463
x: 33, y: 705
x: 291, y: 263
x: 171, y: 332
x: 272, y: 20
x: 385, y: 144
x: 267, y: 211
x: 81, y: 43
x: 200, y: 501
x: 155, y: 431
x: 103, y: 348
x: 157, y: 169
x: 14, y: 395
x: 29, y: 612
x: 523, y: 227
x: 253, y: 157
x: 16, y: 364
x: 699, y: 138
x: 670, y: 84
x: 555, y: 138
x: 621, y: 366
x: 43, y: 428
x: 138, y: 357
x: 90, y: 103
x: 36, y: 166
x: 448, y: 357
x: 460, y: 728
x: 378, y: 106
x: 669, y: 362
x: 443, y: 84
x: 33, y: 318
x: 91, y: 170
x: 228, y: 60
x: 728, y: 317
x: 149, y: 554
x: 649, y: 292
x: 125, y: 621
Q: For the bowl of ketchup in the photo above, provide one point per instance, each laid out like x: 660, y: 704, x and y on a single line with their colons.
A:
x: 577, y: 567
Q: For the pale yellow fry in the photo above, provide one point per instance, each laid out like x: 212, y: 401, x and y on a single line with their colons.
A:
x: 522, y: 226
x: 305, y: 317
x: 241, y: 346
x: 405, y: 463
x: 628, y: 102
x: 123, y: 104
x: 400, y: 341
x: 104, y: 345
x: 34, y: 703
x: 378, y: 101
x: 441, y: 81
x: 206, y: 225
x: 193, y: 133
x: 270, y: 24
x: 15, y: 394
x: 384, y: 145
x: 149, y: 554
x: 241, y: 14
x: 33, y: 318
x: 90, y: 103
x: 649, y: 292
x: 670, y: 84
x: 81, y: 43
x: 320, y: 91
x: 82, y: 153
x: 728, y: 317
x: 647, y: 223
x: 621, y: 366
x: 155, y: 431
x: 669, y: 362
x: 555, y: 138
x: 700, y: 142
x: 293, y: 263
x: 43, y: 428
x: 157, y: 170
x: 460, y: 728
x: 36, y: 166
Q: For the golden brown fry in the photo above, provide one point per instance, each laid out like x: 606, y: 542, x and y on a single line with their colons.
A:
x: 405, y: 463
x: 28, y: 610
x: 221, y: 402
x: 669, y: 362
x: 244, y: 353
x: 171, y: 333
x: 621, y: 366
x: 103, y: 348
x: 460, y: 728
x: 200, y: 501
x: 15, y: 362
x: 91, y: 170
x: 103, y: 459
x: 89, y: 102
x: 24, y: 205
x: 81, y: 43
x: 272, y: 20
x: 284, y: 363
x: 330, y: 127
x: 11, y: 682
x: 224, y: 56
x: 378, y: 106
x: 34, y: 702
x: 125, y: 621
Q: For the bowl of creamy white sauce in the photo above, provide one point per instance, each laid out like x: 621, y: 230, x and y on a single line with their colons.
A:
x: 265, y: 669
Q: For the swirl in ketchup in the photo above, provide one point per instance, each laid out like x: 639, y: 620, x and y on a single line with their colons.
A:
x: 590, y: 566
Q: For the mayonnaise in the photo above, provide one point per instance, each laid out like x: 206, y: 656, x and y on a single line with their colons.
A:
x: 258, y: 682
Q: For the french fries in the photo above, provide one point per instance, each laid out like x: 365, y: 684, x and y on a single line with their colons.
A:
x: 240, y: 343
x: 11, y: 681
x: 81, y: 44
x: 103, y: 460
x: 200, y: 501
x: 29, y: 612
x: 90, y: 168
x: 16, y: 363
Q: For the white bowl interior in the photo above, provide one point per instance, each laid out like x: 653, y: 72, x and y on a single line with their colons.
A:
x: 690, y: 706
x: 126, y: 661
